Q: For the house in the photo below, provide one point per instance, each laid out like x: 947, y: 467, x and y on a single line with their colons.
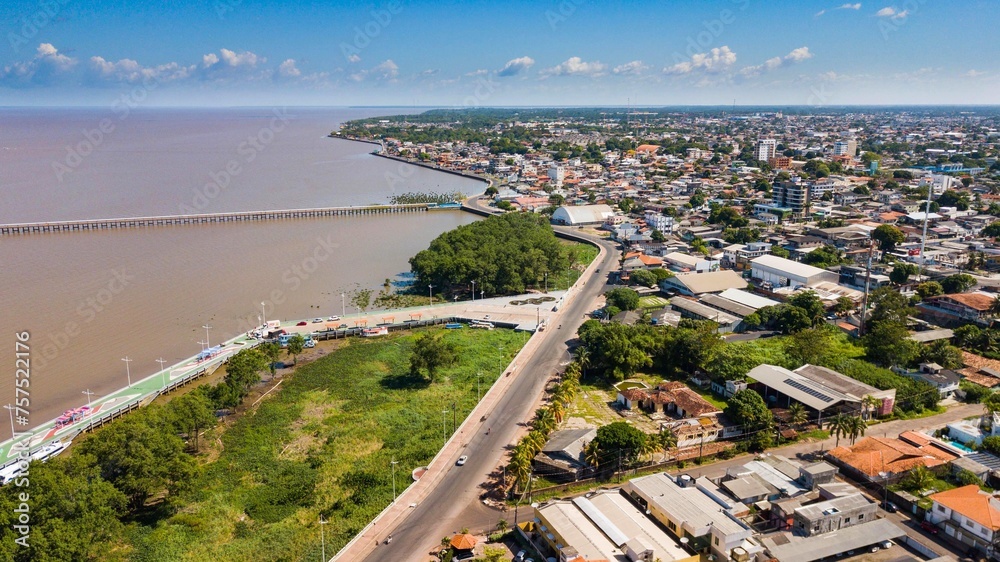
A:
x: 833, y: 515
x: 974, y: 430
x: 959, y: 307
x: 980, y: 370
x: 669, y: 397
x: 680, y: 505
x: 945, y: 380
x: 561, y: 458
x: 967, y: 515
x: 823, y: 390
x: 603, y: 526
x: 694, y: 284
x: 694, y: 432
x: 871, y: 457
x: 781, y: 272
x: 697, y: 310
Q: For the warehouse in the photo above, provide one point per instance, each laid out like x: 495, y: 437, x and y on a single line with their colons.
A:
x: 582, y: 215
x: 779, y: 272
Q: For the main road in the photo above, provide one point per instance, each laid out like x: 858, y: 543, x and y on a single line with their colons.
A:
x: 444, y: 510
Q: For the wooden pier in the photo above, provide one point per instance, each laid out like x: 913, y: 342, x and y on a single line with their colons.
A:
x: 243, y: 216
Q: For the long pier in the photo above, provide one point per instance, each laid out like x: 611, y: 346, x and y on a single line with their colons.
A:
x: 241, y: 216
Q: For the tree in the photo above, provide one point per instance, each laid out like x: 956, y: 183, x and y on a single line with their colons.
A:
x: 929, y: 289
x: 296, y: 344
x: 430, y: 353
x: 139, y: 458
x: 942, y: 353
x: 747, y: 408
x: 844, y: 305
x: 742, y: 235
x: 888, y: 237
x: 888, y: 344
x: 591, y: 454
x: 667, y: 440
x: 889, y: 306
x: 616, y: 350
x: 272, y: 351
x: 494, y: 554
x: 643, y: 278
x: 992, y: 444
x: 917, y: 479
x: 992, y: 403
x: 869, y: 404
x: 620, y: 441
x: 958, y: 283
x: 662, y: 274
x: 993, y: 230
x: 657, y: 236
x: 545, y: 421
x: 839, y: 426
x: 792, y: 319
x: 797, y: 413
x: 780, y: 252
x: 856, y: 427
x: 901, y: 272
x: 825, y: 256
x: 810, y: 303
x: 520, y: 466
x: 190, y: 413
x: 622, y: 298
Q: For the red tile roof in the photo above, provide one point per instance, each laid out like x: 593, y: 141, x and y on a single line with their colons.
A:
x: 872, y: 455
x: 971, y: 502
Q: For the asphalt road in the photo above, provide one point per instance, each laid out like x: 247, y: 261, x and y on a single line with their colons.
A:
x: 455, y: 502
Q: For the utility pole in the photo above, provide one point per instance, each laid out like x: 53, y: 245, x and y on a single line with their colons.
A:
x: 128, y: 373
x: 479, y: 386
x: 322, y: 537
x: 161, y: 361
x: 394, y: 463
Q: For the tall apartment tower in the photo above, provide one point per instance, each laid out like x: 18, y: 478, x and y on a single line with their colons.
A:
x: 766, y: 149
x: 846, y: 148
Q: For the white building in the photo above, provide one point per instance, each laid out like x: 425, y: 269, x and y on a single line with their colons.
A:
x: 968, y: 515
x: 557, y: 174
x: 583, y: 215
x: 781, y: 272
x: 845, y: 148
x: 766, y: 149
x: 659, y: 221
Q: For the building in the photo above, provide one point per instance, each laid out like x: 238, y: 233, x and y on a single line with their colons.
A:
x: 557, y: 175
x: 561, y: 459
x: 696, y: 310
x: 739, y: 256
x: 604, y: 526
x: 694, y: 284
x: 788, y: 546
x: 959, y: 307
x: 871, y: 457
x: 669, y: 397
x: 833, y: 515
x: 796, y: 195
x: 847, y: 147
x: 967, y: 515
x: 822, y: 390
x: 688, y: 512
x: 945, y: 380
x: 659, y: 221
x: 781, y: 272
x: 582, y: 215
x: 765, y: 149
x: 780, y: 162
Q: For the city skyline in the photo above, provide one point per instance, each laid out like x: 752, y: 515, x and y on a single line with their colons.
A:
x: 238, y: 53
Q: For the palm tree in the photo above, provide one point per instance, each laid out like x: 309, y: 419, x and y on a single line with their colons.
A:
x: 856, y: 427
x: 649, y: 446
x: 558, y: 410
x: 545, y: 421
x: 583, y: 356
x: 917, y: 479
x: 667, y: 440
x: 797, y: 413
x: 520, y: 466
x: 502, y: 525
x: 592, y: 454
x: 839, y: 426
x: 870, y: 404
x: 995, y: 306
x: 534, y: 441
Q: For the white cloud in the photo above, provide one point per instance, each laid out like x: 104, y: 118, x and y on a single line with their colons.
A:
x: 975, y: 73
x: 478, y: 72
x: 716, y: 60
x: 130, y: 71
x: 797, y: 55
x: 630, y: 68
x: 46, y: 67
x: 850, y: 6
x: 229, y: 65
x: 516, y: 66
x: 575, y: 66
x: 385, y: 71
x: 288, y: 69
x: 892, y: 13
x: 819, y: 13
x: 353, y: 58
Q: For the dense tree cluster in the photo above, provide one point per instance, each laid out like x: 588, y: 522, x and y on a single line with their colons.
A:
x: 502, y: 254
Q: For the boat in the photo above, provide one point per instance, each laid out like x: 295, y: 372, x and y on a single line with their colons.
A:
x: 373, y: 332
x: 12, y: 471
x: 454, y: 325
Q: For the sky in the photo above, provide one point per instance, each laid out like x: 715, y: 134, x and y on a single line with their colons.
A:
x: 472, y: 54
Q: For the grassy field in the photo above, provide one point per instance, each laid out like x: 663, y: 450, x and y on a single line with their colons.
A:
x: 580, y: 256
x: 651, y: 302
x: 323, y: 444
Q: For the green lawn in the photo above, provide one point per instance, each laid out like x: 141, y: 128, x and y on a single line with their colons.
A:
x: 651, y: 302
x: 323, y: 443
x: 580, y: 255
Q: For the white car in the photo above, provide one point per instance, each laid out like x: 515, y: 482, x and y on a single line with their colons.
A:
x: 333, y: 319
x: 462, y: 459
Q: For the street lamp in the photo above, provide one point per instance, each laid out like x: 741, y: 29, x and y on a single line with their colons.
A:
x: 203, y: 347
x: 322, y: 537
x: 343, y: 305
x: 430, y: 294
x: 90, y: 410
x: 546, y: 281
x: 444, y: 421
x: 128, y: 372
x: 161, y: 361
x: 394, y: 462
x: 207, y: 328
x: 263, y: 314
x: 479, y: 386
x: 473, y: 291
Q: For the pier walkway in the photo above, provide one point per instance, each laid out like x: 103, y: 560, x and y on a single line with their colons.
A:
x: 499, y: 310
x: 241, y: 216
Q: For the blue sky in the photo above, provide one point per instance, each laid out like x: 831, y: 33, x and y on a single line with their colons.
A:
x: 566, y: 52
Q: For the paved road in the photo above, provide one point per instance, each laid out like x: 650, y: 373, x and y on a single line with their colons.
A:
x: 455, y: 501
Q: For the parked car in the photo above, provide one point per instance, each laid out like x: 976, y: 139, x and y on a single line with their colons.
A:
x: 929, y: 527
x: 885, y: 544
x: 333, y: 318
x: 891, y: 507
x: 519, y: 557
x: 342, y: 327
x: 317, y: 320
x: 462, y: 459
x: 302, y: 323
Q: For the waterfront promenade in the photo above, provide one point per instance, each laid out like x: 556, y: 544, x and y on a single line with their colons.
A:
x: 145, y: 388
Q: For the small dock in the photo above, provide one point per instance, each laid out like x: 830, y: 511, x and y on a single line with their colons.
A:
x: 242, y: 216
